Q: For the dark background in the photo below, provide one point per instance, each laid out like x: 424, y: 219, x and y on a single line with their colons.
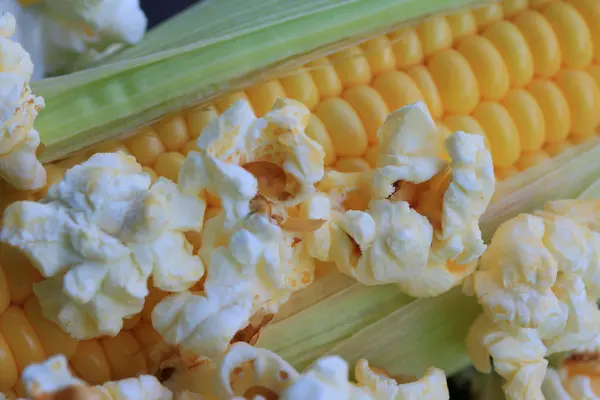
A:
x: 159, y: 10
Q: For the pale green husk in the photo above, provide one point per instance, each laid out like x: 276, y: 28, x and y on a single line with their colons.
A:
x: 213, y: 48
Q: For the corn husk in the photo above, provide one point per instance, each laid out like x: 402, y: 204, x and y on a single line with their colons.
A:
x: 212, y: 48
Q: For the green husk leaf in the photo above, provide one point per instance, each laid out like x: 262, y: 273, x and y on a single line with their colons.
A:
x: 336, y: 315
x: 205, y: 52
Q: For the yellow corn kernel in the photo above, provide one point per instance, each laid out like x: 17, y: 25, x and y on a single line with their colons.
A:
x: 345, y: 128
x: 555, y: 108
x: 556, y: 148
x: 125, y: 355
x: 90, y: 362
x: 351, y: 66
x: 445, y: 131
x: 505, y: 173
x: 537, y: 4
x: 435, y: 34
x: 356, y: 200
x: 154, y: 296
x: 488, y: 66
x: 20, y: 336
x: 462, y: 24
x: 130, y: 323
x: 169, y: 164
x: 19, y: 389
x: 371, y: 156
x: 54, y: 174
x: 263, y: 96
x: 501, y: 131
x: 465, y: 123
x: 379, y: 55
x: 300, y: 86
x: 514, y: 49
x: 147, y: 336
x: 110, y: 146
x: 212, y: 200
x: 173, y: 132
x: 487, y: 15
x: 455, y: 81
x: 573, y: 34
x: 145, y: 146
x: 317, y: 131
x: 4, y: 292
x: 542, y: 41
x: 10, y: 372
x: 150, y: 171
x: 352, y: 164
x: 397, y: 89
x: 407, y: 48
x: 10, y: 394
x: 513, y: 7
x: 224, y: 102
x: 421, y: 76
x: 19, y: 273
x: 192, y: 145
x: 531, y: 158
x: 370, y: 107
x: 594, y: 72
x: 198, y: 118
x: 528, y: 117
x: 53, y: 339
x: 325, y: 77
x: 590, y: 11
x: 583, y: 96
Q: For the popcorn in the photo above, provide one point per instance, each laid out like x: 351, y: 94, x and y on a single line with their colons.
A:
x: 98, y: 236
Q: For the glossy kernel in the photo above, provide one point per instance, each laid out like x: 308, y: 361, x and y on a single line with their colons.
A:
x: 19, y: 273
x: 370, y: 107
x: 555, y: 108
x: 530, y: 159
x: 468, y: 124
x: 125, y: 355
x: 90, y: 362
x: 513, y: 7
x: 487, y: 64
x: 488, y: 14
x: 263, y: 96
x: 455, y: 81
x: 352, y: 164
x: 224, y: 102
x: 573, y: 34
x: 462, y: 24
x: 542, y: 41
x: 583, y: 96
x: 344, y: 126
x: 21, y: 337
x: 325, y: 78
x: 198, y: 118
x: 435, y: 34
x: 515, y: 51
x: 407, y: 48
x: 422, y: 77
x: 169, y: 164
x: 590, y: 11
x: 145, y: 146
x: 379, y: 54
x: 352, y: 67
x: 4, y: 291
x: 528, y: 117
x: 317, y: 131
x: 10, y: 372
x: 173, y: 132
x: 501, y: 131
x: 397, y: 89
x: 300, y: 86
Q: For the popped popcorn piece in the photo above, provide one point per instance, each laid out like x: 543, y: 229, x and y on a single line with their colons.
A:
x: 420, y: 228
x: 252, y: 269
x: 242, y: 156
x: 432, y: 386
x: 76, y: 31
x: 98, y: 236
x: 577, y: 376
x: 538, y: 286
x: 51, y: 379
x: 18, y: 109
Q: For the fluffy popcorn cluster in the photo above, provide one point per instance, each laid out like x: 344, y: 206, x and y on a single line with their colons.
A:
x: 420, y: 229
x: 243, y: 372
x: 18, y: 109
x: 538, y: 284
x: 98, y: 236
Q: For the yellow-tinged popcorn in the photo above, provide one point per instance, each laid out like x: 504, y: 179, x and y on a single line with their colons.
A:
x: 420, y: 228
x: 432, y: 386
x: 237, y: 145
x: 18, y: 108
x: 98, y: 236
x: 577, y: 376
x: 538, y: 284
x: 53, y: 378
x: 252, y: 268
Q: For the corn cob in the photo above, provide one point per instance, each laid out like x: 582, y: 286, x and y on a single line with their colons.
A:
x: 525, y: 74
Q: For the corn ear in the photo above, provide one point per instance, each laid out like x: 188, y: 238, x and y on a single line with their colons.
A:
x: 205, y: 52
